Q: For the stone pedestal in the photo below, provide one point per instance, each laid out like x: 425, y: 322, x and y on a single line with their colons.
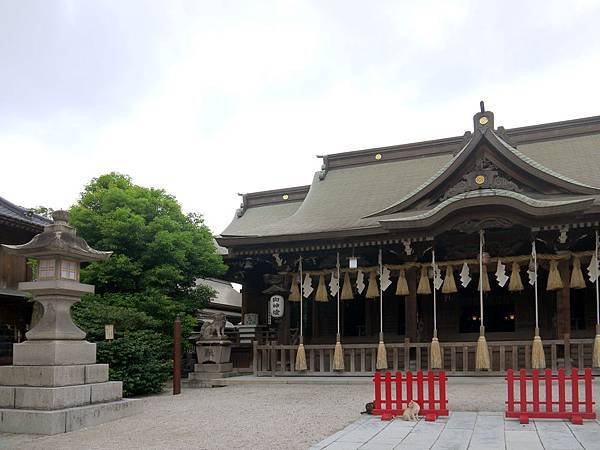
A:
x: 213, y: 362
x: 52, y: 399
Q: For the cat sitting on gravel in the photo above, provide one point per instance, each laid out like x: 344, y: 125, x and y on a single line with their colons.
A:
x: 411, y: 412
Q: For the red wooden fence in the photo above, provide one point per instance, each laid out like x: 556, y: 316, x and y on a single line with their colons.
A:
x: 565, y: 407
x: 399, y: 391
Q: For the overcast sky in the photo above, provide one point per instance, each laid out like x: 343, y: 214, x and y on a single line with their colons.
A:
x: 210, y: 98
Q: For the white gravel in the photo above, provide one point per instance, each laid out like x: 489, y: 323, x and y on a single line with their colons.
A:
x: 252, y: 416
x: 232, y: 417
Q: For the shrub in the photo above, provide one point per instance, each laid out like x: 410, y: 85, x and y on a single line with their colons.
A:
x: 140, y: 359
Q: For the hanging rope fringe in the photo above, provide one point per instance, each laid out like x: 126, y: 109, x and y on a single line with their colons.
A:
x: 402, y: 285
x: 435, y: 352
x: 347, y: 293
x: 372, y: 289
x: 538, y: 358
x: 301, y: 356
x: 554, y: 280
x: 338, y: 355
x: 381, y: 354
x: 515, y: 284
x: 294, y: 290
x: 482, y: 355
x: 321, y: 294
x: 596, y: 354
x: 486, y: 280
x: 424, y: 288
x: 449, y: 286
x: 577, y: 280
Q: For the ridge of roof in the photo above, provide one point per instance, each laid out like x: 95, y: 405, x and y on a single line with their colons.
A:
x: 274, y: 196
x: 23, y: 216
x: 519, y: 135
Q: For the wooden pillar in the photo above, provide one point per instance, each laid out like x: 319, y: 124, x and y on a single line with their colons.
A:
x: 410, y: 306
x: 563, y: 301
x: 251, y: 293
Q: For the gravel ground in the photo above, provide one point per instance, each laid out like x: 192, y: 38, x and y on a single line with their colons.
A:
x: 232, y: 417
x: 255, y: 416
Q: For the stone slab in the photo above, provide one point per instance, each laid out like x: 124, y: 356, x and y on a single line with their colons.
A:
x: 49, y: 376
x: 51, y: 398
x: 209, y: 376
x: 423, y: 435
x: 54, y: 353
x: 106, y: 392
x: 212, y: 368
x: 7, y: 397
x: 65, y: 420
x: 522, y: 440
x: 454, y: 438
x: 96, y: 373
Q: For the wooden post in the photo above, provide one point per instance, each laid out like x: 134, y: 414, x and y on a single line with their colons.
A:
x: 563, y: 301
x: 410, y: 306
x: 177, y: 356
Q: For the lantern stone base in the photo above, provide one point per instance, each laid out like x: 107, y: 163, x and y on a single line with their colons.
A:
x: 54, y: 353
x: 55, y: 387
x: 203, y: 374
x: 29, y: 421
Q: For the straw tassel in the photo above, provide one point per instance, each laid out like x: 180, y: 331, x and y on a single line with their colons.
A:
x: 554, y: 280
x: 538, y: 358
x: 372, y: 289
x: 424, y: 288
x: 485, y: 279
x: 402, y: 286
x: 596, y: 354
x: 515, y: 284
x: 321, y: 294
x: 338, y: 354
x: 381, y: 354
x: 435, y: 353
x: 577, y: 280
x: 301, y: 356
x: 294, y: 290
x: 347, y: 293
x: 482, y: 355
x: 449, y: 286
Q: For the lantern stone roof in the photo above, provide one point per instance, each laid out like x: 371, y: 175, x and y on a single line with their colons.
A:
x: 20, y: 217
x: 549, y: 170
x: 58, y: 239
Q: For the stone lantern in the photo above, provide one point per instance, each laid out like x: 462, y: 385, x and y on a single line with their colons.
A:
x: 54, y: 384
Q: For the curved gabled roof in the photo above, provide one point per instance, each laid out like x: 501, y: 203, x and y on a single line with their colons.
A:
x: 357, y: 190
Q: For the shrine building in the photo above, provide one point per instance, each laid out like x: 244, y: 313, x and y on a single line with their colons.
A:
x: 379, y: 231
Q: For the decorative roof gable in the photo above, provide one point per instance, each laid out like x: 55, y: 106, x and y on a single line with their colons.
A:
x: 487, y: 161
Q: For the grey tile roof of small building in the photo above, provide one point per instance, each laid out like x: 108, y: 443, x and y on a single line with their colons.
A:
x: 21, y: 215
x: 350, y: 192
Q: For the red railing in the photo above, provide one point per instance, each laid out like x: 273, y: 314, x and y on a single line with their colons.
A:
x: 429, y: 391
x: 565, y: 407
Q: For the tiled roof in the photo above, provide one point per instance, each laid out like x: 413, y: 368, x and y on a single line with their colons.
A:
x: 18, y: 214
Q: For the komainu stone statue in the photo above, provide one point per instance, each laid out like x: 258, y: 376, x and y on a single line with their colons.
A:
x: 213, y: 329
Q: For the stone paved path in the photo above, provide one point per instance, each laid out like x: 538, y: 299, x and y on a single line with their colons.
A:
x: 464, y: 430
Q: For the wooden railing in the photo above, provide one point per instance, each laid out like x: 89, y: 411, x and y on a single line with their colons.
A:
x: 458, y: 357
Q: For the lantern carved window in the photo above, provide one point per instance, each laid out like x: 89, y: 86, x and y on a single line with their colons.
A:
x: 68, y: 269
x: 46, y: 269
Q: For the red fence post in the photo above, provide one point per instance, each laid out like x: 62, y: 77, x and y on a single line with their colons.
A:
x: 535, y: 387
x: 523, y: 416
x: 420, y: 399
x: 576, y: 417
x: 409, y: 387
x: 510, y: 391
x: 388, y: 392
x: 588, y: 391
x: 442, y: 384
x: 377, y: 402
x: 548, y: 386
x: 399, y: 391
x: 561, y: 391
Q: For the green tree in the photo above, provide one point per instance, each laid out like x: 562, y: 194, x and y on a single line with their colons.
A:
x: 158, y: 252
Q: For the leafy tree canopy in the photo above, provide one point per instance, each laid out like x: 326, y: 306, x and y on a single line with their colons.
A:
x: 156, y: 246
